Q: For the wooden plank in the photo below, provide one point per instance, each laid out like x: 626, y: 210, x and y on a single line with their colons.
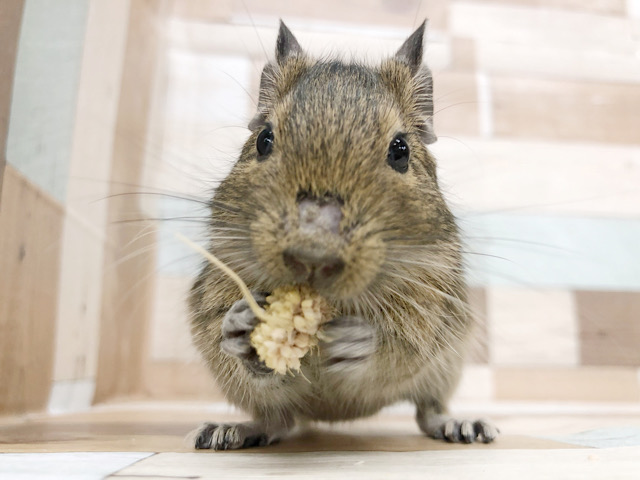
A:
x: 83, y: 240
x: 406, y: 14
x: 129, y: 258
x: 468, y: 462
x: 585, y: 384
x: 162, y: 427
x: 30, y: 230
x: 598, y: 112
x: 179, y: 380
x: 10, y: 21
x: 609, y: 327
x: 606, y: 7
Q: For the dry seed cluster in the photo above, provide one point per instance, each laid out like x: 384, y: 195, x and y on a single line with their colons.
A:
x: 294, y: 317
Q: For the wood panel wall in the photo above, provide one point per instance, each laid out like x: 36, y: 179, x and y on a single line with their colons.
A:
x: 30, y: 227
x: 84, y: 241
x: 129, y: 265
x: 30, y: 230
x: 10, y: 19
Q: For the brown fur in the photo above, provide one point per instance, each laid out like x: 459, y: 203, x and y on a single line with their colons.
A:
x: 332, y: 125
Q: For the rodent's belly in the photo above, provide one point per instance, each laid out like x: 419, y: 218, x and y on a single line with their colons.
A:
x: 330, y: 410
x: 347, y: 400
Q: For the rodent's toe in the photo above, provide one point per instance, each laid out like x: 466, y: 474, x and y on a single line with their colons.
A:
x: 205, y: 436
x: 486, y: 431
x: 240, y: 319
x: 236, y: 346
x: 467, y: 432
x: 240, y: 347
x: 242, y: 305
x: 451, y: 431
x: 238, y: 323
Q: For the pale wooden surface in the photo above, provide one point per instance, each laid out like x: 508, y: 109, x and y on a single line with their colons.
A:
x: 83, y: 242
x: 579, y: 464
x: 129, y: 258
x: 592, y: 383
x: 11, y: 15
x: 522, y: 107
x: 484, y: 55
x: 147, y: 440
x: 30, y: 230
x: 175, y: 380
x: 160, y: 427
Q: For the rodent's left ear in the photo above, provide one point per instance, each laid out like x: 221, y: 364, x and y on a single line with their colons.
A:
x: 424, y: 82
x: 411, y: 50
x: 287, y: 47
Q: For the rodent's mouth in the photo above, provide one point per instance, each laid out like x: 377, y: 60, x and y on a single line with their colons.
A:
x: 309, y: 247
x: 334, y: 267
x: 316, y: 267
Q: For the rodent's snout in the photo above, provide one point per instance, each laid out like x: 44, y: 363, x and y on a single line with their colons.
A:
x: 320, y: 214
x: 314, y: 256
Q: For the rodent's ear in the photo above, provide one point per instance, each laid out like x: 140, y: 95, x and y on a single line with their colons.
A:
x: 424, y: 80
x: 411, y: 50
x: 275, y: 77
x: 410, y: 54
x: 286, y: 45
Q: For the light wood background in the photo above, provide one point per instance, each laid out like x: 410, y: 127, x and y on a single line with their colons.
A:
x: 539, y: 150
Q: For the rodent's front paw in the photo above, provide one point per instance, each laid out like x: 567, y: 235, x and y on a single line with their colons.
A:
x: 347, y: 342
x: 237, y: 326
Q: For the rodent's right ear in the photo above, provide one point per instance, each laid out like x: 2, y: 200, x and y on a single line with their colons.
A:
x: 286, y: 45
x: 275, y: 76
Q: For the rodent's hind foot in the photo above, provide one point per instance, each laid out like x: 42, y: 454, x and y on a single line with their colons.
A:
x: 443, y: 427
x: 224, y: 436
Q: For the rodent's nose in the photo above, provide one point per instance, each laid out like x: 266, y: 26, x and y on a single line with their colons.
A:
x: 317, y: 269
x: 319, y: 214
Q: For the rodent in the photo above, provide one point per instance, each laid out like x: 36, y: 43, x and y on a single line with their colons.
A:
x: 335, y: 188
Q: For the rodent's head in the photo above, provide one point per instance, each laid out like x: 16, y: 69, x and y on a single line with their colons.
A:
x: 335, y: 186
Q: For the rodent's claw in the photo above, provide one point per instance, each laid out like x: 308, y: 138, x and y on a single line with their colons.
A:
x: 463, y: 431
x: 347, y: 342
x: 231, y: 436
x: 237, y: 326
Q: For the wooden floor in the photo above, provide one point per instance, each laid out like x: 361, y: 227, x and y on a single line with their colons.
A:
x: 148, y: 441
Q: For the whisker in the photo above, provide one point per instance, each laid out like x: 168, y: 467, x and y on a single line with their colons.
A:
x: 161, y: 194
x: 200, y: 220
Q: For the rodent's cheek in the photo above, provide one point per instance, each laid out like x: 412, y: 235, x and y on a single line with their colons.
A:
x: 364, y: 256
x: 267, y: 237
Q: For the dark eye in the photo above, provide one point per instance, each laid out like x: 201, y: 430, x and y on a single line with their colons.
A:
x: 264, y: 143
x: 398, y: 156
